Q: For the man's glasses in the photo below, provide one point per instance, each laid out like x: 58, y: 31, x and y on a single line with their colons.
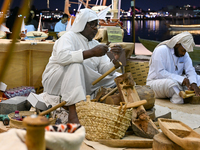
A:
x: 94, y: 25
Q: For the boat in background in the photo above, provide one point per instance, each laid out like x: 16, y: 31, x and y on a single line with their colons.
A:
x: 183, y: 27
x: 151, y: 44
x: 193, y: 32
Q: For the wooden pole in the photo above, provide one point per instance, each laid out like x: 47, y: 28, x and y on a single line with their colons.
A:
x: 35, y: 132
x: 66, y: 9
x: 87, y: 2
x: 133, y: 23
x: 104, y: 2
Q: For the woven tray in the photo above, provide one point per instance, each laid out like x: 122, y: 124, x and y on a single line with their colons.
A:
x: 103, y: 121
x: 18, y: 124
x: 139, y: 69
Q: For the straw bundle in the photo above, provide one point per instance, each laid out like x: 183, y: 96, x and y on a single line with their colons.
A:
x: 18, y: 124
x: 103, y: 121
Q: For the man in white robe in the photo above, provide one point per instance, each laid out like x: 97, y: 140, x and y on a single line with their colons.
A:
x: 76, y: 61
x: 168, y: 61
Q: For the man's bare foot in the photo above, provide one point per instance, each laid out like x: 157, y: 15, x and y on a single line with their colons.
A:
x: 72, y: 118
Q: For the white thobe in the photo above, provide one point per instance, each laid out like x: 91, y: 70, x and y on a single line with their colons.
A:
x: 60, y: 26
x: 68, y: 75
x: 163, y: 74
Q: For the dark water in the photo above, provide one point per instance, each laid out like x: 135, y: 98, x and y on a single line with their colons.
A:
x: 156, y: 30
x: 148, y: 29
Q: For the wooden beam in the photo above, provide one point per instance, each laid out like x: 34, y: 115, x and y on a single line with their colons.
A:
x: 66, y: 9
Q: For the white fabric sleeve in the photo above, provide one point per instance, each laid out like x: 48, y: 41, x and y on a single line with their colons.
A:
x: 159, y: 61
x: 105, y: 65
x: 189, y: 70
x: 66, y: 53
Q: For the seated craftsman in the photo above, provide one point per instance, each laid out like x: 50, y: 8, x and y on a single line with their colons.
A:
x: 168, y: 62
x: 76, y: 61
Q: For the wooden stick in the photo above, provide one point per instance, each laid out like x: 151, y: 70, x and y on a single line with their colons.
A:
x: 35, y: 132
x: 188, y: 92
x: 184, y: 95
x: 135, y: 104
x: 105, y: 74
x: 53, y: 108
x: 105, y: 96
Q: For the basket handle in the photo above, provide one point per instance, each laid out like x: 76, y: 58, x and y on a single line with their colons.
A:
x: 88, y: 98
x: 135, y: 104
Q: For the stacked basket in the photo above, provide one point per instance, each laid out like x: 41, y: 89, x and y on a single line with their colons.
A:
x: 103, y: 121
x: 139, y: 69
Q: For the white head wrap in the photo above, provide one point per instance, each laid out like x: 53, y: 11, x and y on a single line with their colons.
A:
x: 85, y: 15
x: 184, y: 38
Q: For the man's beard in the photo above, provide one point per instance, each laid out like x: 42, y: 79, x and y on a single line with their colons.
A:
x: 177, y: 54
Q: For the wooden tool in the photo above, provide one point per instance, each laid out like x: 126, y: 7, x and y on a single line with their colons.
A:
x: 139, y: 143
x: 189, y: 92
x: 35, y: 132
x: 135, y: 104
x: 184, y: 95
x: 111, y: 92
x: 53, y: 108
x: 105, y: 74
x: 180, y: 133
x: 129, y: 94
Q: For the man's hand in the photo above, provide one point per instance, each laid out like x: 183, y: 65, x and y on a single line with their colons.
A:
x: 116, y: 50
x: 97, y: 51
x: 186, y: 82
x: 195, y: 88
x: 100, y: 50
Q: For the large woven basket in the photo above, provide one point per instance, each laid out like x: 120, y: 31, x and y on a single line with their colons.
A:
x: 139, y: 70
x: 103, y: 121
x: 18, y: 124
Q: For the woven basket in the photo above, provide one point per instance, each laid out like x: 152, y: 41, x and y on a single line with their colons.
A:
x: 103, y: 121
x: 139, y: 70
x: 18, y: 124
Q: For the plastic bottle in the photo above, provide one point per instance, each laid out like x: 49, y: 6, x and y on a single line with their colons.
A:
x: 17, y: 116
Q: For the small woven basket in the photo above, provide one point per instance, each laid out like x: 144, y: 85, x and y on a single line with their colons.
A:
x: 18, y: 124
x: 103, y: 121
x: 139, y: 70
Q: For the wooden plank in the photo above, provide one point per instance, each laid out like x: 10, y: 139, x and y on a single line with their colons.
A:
x: 146, y: 143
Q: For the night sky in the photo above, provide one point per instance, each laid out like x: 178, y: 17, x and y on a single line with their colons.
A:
x: 125, y: 5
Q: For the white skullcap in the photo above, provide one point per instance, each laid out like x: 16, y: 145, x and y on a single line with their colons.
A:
x: 85, y: 15
x: 184, y: 38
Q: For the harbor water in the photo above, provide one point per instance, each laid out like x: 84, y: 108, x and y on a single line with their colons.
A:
x: 148, y: 29
x: 156, y: 30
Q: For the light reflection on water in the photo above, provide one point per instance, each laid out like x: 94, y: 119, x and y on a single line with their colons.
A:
x: 155, y: 30
x: 147, y: 29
